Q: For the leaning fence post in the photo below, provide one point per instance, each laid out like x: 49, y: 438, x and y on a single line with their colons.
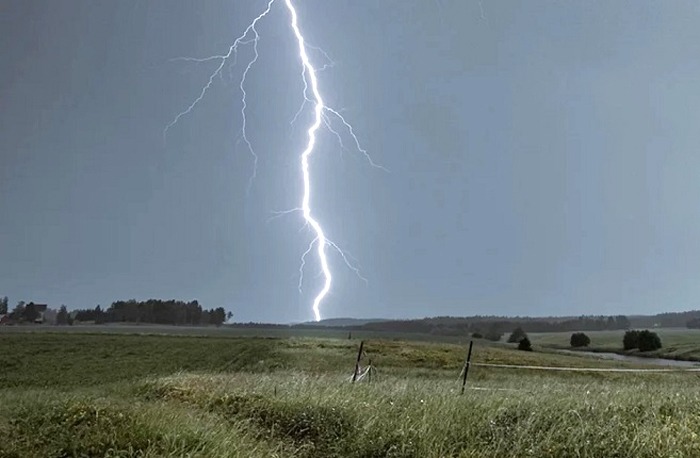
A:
x: 466, y: 365
x: 357, y: 363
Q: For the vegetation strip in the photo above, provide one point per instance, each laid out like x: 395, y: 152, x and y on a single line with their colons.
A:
x: 582, y: 369
x: 119, y: 395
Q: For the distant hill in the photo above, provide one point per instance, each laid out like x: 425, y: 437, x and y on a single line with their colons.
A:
x: 665, y: 320
x: 498, y: 325
x: 343, y: 322
x: 456, y: 326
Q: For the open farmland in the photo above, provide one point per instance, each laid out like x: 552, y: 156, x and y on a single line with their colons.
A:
x: 80, y: 394
x: 678, y: 343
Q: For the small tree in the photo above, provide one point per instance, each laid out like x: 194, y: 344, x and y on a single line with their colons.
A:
x: 517, y: 335
x: 649, y: 341
x: 630, y: 340
x: 579, y: 339
x: 99, y: 315
x: 3, y: 305
x: 525, y: 344
x: 18, y: 311
x: 217, y: 316
x: 62, y: 316
x: 477, y: 335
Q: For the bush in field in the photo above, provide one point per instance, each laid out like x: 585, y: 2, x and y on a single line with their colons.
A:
x: 649, y: 341
x: 525, y: 344
x: 477, y: 335
x: 493, y: 335
x: 579, y: 339
x: 643, y: 340
x: 630, y: 340
x: 517, y: 335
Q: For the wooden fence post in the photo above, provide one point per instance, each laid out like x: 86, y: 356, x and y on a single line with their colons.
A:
x: 466, y: 365
x: 357, y: 363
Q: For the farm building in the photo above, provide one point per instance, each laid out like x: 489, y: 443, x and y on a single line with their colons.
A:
x: 40, y: 309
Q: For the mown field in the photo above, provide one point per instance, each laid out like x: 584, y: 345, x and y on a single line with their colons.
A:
x: 232, y: 331
x: 81, y: 394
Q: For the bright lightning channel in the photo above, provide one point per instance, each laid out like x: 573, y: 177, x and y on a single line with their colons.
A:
x: 305, y: 206
x: 231, y: 54
x: 321, y: 115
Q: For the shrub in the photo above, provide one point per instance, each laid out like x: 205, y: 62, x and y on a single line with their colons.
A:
x: 477, y: 335
x: 525, y: 344
x: 493, y: 335
x: 643, y: 340
x: 630, y: 340
x: 579, y: 339
x: 649, y: 341
x: 517, y: 335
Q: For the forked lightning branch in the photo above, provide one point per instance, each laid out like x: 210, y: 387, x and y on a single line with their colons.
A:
x: 322, y: 115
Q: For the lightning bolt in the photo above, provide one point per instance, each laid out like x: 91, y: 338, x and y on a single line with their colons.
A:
x: 322, y: 115
x: 223, y: 58
x: 321, y: 240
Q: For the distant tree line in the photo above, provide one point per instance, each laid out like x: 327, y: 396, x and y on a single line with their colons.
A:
x: 22, y: 313
x: 493, y: 328
x: 260, y: 325
x: 667, y: 320
x: 155, y: 311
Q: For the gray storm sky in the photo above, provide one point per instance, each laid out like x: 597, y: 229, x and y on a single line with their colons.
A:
x: 543, y: 156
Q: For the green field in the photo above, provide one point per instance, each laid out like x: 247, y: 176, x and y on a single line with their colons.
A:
x: 102, y: 394
x: 678, y: 343
x: 232, y: 331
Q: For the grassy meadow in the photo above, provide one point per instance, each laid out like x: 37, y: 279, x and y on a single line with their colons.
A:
x: 678, y: 343
x: 129, y: 395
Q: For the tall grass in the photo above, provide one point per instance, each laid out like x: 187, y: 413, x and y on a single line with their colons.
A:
x: 292, y: 398
x: 502, y: 415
